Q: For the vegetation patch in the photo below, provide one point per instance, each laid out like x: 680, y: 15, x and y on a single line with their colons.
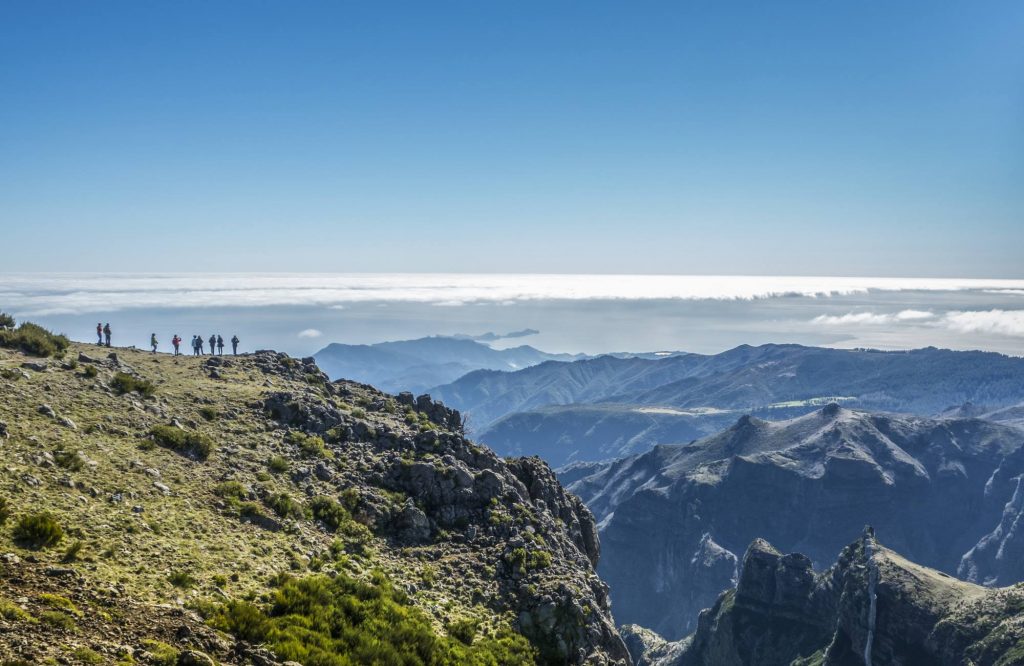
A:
x: 311, y: 446
x: 320, y: 621
x: 125, y: 383
x: 285, y: 506
x: 329, y: 512
x: 5, y: 510
x: 188, y: 443
x: 38, y: 530
x: 31, y: 338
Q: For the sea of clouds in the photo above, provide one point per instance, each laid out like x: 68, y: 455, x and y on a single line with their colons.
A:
x: 589, y: 313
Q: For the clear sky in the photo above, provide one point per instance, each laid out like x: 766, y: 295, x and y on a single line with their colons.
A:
x: 839, y: 138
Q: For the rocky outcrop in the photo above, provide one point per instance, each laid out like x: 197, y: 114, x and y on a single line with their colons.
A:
x: 871, y: 607
x: 940, y: 490
x: 513, y: 514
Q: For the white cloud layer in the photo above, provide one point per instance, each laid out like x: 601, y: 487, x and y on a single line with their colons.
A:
x: 50, y: 294
x: 985, y: 322
x: 310, y: 333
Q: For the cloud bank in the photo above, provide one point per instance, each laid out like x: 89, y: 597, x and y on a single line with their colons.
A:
x: 987, y: 322
x: 50, y: 294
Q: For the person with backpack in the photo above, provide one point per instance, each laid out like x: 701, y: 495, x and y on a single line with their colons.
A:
x: 106, y: 332
x: 175, y: 342
x: 99, y: 333
x: 220, y: 346
x: 152, y: 342
x: 234, y: 344
x: 213, y: 345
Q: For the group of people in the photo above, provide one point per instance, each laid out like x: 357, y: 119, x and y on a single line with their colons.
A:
x: 103, y: 333
x: 216, y: 345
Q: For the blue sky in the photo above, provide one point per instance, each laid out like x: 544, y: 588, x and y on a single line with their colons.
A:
x: 702, y: 137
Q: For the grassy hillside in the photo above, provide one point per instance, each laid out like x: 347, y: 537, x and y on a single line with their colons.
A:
x: 214, y: 505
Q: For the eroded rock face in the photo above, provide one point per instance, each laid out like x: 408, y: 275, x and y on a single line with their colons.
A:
x: 871, y: 607
x: 942, y: 491
x: 463, y: 500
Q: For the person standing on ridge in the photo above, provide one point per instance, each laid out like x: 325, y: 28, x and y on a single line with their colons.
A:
x: 99, y: 333
x: 213, y: 345
x: 198, y: 344
x: 175, y: 341
x: 234, y: 344
x: 152, y: 341
x: 106, y: 332
x: 220, y: 346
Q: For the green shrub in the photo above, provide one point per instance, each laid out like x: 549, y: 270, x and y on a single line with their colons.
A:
x: 125, y: 383
x: 161, y: 653
x: 90, y: 371
x: 87, y: 655
x: 5, y: 510
x: 181, y: 579
x: 209, y: 413
x: 278, y: 464
x: 69, y: 460
x: 285, y: 506
x: 329, y: 512
x: 231, y: 490
x: 72, y: 551
x: 38, y: 530
x: 33, y: 339
x: 338, y: 621
x: 58, y: 619
x: 14, y: 613
x: 463, y: 630
x: 193, y: 443
x: 59, y: 602
x: 310, y: 446
x: 6, y: 320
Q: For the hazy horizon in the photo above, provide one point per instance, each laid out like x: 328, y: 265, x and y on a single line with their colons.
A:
x: 300, y: 313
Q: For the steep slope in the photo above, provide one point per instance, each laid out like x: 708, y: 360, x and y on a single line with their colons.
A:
x: 772, y: 381
x: 250, y: 493
x: 871, y: 607
x: 416, y: 365
x: 674, y: 519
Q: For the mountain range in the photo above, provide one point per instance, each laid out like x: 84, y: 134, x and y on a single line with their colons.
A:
x: 640, y: 401
x: 418, y: 365
x: 675, y: 520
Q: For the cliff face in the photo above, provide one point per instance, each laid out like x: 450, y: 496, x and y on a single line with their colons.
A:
x: 674, y: 520
x: 871, y: 607
x: 227, y: 473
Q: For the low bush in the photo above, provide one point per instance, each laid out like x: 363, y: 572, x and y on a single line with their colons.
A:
x: 5, y: 510
x: 310, y: 446
x: 58, y: 619
x: 285, y: 506
x: 69, y: 460
x: 161, y: 654
x: 6, y: 320
x: 209, y: 413
x: 338, y: 621
x: 125, y: 383
x: 278, y: 464
x: 59, y: 602
x: 90, y: 371
x: 72, y: 551
x: 33, y: 339
x: 231, y: 490
x: 38, y: 530
x: 181, y: 579
x: 329, y: 512
x: 189, y: 443
x: 87, y: 655
x: 12, y: 612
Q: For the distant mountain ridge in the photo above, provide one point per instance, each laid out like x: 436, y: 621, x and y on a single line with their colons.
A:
x: 674, y: 520
x: 417, y: 365
x: 523, y: 411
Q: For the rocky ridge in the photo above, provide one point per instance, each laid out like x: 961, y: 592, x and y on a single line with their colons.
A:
x: 871, y: 607
x: 468, y: 536
x: 944, y: 491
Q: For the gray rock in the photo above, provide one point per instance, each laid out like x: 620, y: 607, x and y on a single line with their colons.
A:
x: 47, y: 410
x: 195, y: 658
x: 36, y: 366
x: 67, y: 422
